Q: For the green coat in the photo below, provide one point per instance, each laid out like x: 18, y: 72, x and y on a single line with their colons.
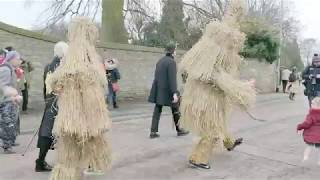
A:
x: 27, y: 68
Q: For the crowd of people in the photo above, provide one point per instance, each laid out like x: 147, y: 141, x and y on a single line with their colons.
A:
x: 14, y: 82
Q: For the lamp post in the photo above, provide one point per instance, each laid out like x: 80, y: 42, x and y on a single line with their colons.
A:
x: 280, y: 47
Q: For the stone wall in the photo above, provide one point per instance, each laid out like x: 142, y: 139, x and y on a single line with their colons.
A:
x: 137, y: 70
x: 136, y: 63
x: 264, y: 73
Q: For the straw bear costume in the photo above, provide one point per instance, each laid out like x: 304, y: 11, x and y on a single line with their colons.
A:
x: 83, y: 118
x: 212, y: 86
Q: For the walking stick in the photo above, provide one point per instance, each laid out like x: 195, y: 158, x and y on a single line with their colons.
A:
x: 254, y: 118
x: 33, y: 137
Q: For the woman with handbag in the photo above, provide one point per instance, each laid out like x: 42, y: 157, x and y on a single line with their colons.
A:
x: 113, y: 76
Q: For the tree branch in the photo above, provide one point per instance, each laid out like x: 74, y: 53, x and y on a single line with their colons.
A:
x: 200, y: 10
x: 138, y: 11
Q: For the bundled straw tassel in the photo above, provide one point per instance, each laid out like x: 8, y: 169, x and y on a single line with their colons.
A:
x: 100, y: 153
x: 213, y: 86
x: 83, y: 117
x: 69, y: 156
x: 204, y: 109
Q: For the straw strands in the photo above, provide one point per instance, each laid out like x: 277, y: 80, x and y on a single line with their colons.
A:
x: 83, y: 117
x: 213, y: 86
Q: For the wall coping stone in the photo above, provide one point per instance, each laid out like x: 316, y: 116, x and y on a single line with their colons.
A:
x: 116, y: 46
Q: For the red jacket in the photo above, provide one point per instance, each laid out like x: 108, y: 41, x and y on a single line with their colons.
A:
x: 311, y: 127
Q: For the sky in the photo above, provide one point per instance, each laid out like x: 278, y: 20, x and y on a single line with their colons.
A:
x: 307, y: 11
x: 19, y: 13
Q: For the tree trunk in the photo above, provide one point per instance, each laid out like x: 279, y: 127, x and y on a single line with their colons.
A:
x: 112, y: 23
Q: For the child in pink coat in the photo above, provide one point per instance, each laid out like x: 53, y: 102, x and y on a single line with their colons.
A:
x: 311, y: 129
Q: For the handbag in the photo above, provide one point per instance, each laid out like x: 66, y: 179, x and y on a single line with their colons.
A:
x: 115, y: 87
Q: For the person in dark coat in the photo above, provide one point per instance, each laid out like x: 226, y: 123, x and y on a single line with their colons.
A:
x: 45, y: 140
x: 164, y: 91
x: 311, y: 129
x: 311, y: 77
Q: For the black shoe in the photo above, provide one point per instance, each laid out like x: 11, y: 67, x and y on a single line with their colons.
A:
x: 291, y: 96
x: 154, y: 135
x: 201, y: 165
x: 236, y: 143
x: 115, y: 106
x: 182, y: 132
x: 42, y: 166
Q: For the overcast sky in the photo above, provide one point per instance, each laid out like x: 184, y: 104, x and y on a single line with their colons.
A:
x: 16, y: 12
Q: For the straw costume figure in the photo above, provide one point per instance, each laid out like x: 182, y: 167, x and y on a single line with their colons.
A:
x: 212, y: 86
x: 83, y: 118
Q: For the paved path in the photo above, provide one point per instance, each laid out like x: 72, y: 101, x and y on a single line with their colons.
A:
x: 272, y: 149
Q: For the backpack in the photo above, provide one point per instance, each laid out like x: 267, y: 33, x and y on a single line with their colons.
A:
x: 7, y: 65
x: 11, y: 70
x: 292, y: 77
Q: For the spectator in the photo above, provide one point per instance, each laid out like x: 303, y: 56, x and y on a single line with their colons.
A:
x: 293, y: 83
x: 113, y: 76
x: 9, y: 100
x: 299, y: 78
x: 20, y: 78
x: 285, y: 78
x: 27, y: 68
x: 311, y: 76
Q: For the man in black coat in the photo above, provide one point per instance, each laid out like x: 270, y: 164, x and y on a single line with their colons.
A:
x: 311, y: 75
x: 164, y: 91
x: 45, y: 140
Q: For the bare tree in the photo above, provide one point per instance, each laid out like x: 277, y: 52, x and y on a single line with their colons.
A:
x: 211, y: 9
x: 290, y: 28
x: 199, y: 13
x: 134, y: 14
x: 308, y: 48
x: 277, y: 16
x: 267, y: 9
x: 138, y: 14
x: 61, y: 9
